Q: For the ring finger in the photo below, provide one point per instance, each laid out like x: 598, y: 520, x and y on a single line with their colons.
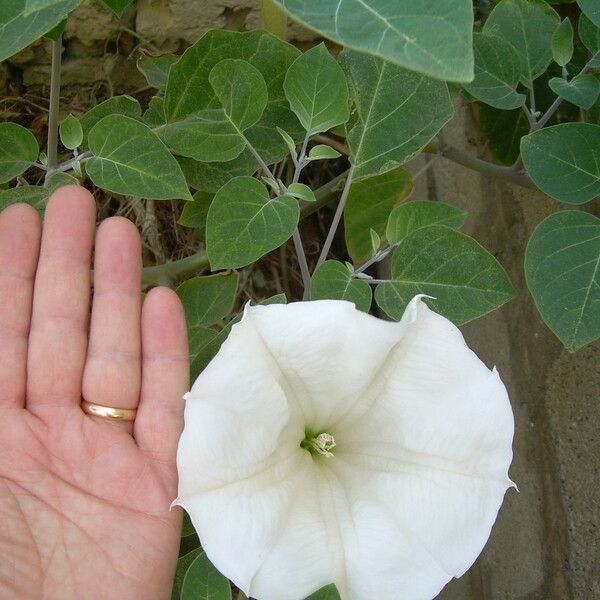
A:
x: 112, y: 374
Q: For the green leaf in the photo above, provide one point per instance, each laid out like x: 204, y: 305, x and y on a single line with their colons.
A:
x: 204, y: 344
x: 187, y: 528
x: 562, y: 43
x: 592, y: 10
x: 333, y: 280
x: 35, y: 195
x: 118, y: 105
x: 276, y: 299
x: 581, y: 91
x: 71, y: 132
x: 590, y: 36
x: 496, y: 73
x: 368, y: 207
x: 562, y: 269
x: 18, y: 150
x: 244, y: 223
x: 56, y: 31
x: 183, y: 565
x: 329, y: 592
x: 322, y: 152
x: 194, y: 213
x: 399, y: 112
x: 203, y: 582
x: 117, y: 6
x: 504, y: 129
x: 18, y: 29
x: 154, y: 116
x: 211, y: 177
x: 287, y: 138
x: 421, y: 36
x: 317, y: 90
x: 242, y: 91
x: 301, y: 192
x: 216, y: 134
x: 207, y: 300
x: 528, y: 26
x: 189, y: 90
x: 156, y: 68
x: 417, y: 214
x: 564, y: 161
x: 464, y: 278
x: 129, y: 158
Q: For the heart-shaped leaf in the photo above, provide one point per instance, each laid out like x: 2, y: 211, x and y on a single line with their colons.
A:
x: 333, y: 280
x: 22, y: 22
x: 317, y: 91
x: 583, y: 90
x: 409, y: 217
x: 129, y: 158
x: 421, y: 36
x: 463, y: 277
x: 564, y: 161
x: 528, y: 26
x: 18, y: 149
x: 562, y: 268
x: 244, y: 224
x: 399, y: 112
x: 496, y: 73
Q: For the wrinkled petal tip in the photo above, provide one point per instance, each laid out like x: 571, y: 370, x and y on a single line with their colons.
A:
x: 411, y: 311
x: 186, y: 396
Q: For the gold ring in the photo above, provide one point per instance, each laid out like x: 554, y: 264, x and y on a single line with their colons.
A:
x: 108, y: 412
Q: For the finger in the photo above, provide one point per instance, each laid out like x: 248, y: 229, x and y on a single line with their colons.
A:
x: 61, y: 297
x: 20, y: 231
x: 112, y: 374
x: 165, y: 376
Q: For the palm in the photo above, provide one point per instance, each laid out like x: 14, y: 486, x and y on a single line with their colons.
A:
x: 84, y: 504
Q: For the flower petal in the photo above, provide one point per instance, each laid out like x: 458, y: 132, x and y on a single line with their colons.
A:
x: 436, y: 440
x: 327, y: 351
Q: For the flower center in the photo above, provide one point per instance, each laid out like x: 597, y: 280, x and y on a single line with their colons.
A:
x: 321, y: 444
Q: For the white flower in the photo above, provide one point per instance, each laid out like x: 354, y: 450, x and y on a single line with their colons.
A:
x: 324, y: 445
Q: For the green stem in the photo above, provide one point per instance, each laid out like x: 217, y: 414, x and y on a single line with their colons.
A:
x: 53, y: 111
x: 336, y: 219
x: 171, y: 273
x: 274, y: 19
x: 304, y: 270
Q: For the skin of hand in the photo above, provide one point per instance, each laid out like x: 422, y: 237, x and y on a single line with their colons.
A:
x: 84, y: 501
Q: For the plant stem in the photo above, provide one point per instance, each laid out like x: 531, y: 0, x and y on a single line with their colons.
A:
x: 68, y: 165
x: 274, y: 19
x: 336, y: 219
x: 304, y: 270
x: 53, y: 111
x: 477, y: 164
x: 171, y: 273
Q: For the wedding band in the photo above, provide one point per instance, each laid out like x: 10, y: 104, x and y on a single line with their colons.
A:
x: 108, y: 412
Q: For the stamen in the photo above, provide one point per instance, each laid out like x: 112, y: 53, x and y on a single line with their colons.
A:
x: 323, y: 444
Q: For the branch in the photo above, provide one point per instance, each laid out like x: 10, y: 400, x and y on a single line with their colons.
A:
x: 53, y: 111
x: 454, y: 154
x: 336, y: 219
x: 477, y: 164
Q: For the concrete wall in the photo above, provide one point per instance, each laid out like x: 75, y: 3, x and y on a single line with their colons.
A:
x: 546, y: 543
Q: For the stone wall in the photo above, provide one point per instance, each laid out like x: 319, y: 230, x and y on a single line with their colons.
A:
x: 546, y: 542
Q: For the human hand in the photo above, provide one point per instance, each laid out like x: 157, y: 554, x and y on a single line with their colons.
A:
x: 84, y: 501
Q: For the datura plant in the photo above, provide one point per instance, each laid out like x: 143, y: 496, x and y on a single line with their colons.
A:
x: 327, y: 453
x: 325, y: 445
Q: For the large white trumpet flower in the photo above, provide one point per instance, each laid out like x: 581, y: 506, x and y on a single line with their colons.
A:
x: 324, y: 445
